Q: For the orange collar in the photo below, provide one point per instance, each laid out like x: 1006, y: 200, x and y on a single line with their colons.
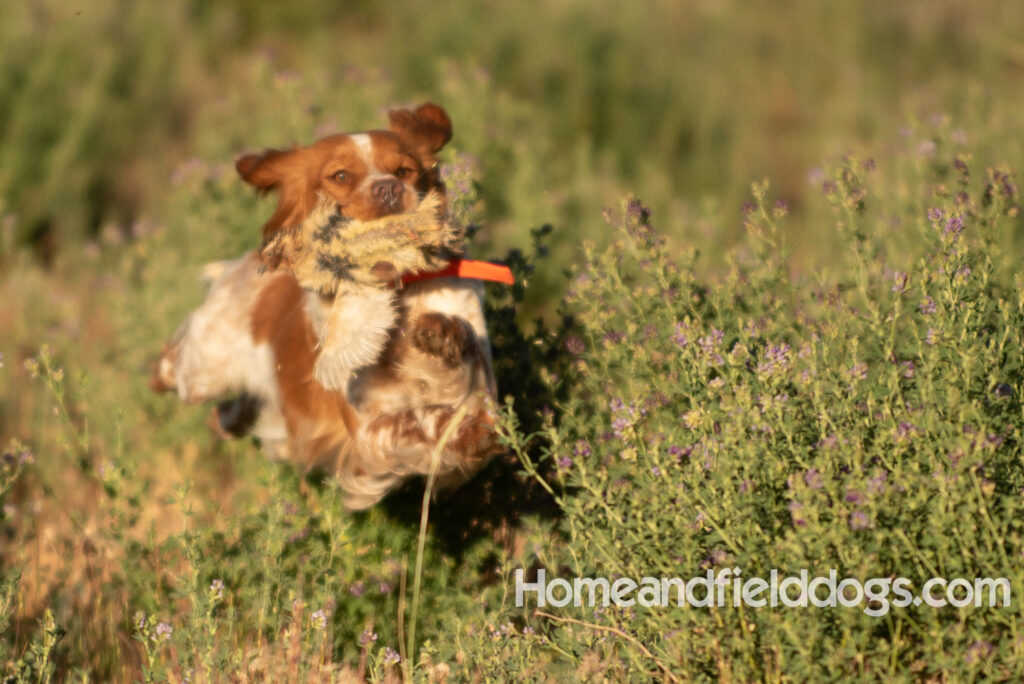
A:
x: 466, y: 268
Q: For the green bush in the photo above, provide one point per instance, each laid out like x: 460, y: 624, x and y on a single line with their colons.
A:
x: 867, y: 420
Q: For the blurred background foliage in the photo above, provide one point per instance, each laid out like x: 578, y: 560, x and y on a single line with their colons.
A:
x: 566, y: 105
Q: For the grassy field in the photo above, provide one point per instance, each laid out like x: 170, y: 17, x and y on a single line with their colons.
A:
x: 769, y: 317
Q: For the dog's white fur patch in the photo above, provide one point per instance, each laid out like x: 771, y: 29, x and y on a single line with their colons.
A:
x: 214, y: 354
x: 365, y: 146
x: 368, y: 314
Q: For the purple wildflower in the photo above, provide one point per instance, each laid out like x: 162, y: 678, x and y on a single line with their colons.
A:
x: 163, y: 632
x: 954, y: 226
x: 927, y: 307
x: 581, y: 449
x: 679, y: 453
x: 853, y: 496
x: 564, y: 462
x: 935, y: 214
x: 830, y: 442
x: 716, y: 557
x: 978, y: 651
x: 794, y: 513
x: 386, y: 587
x: 367, y: 638
x: 318, y: 619
x: 711, y: 341
x: 656, y: 400
x: 656, y: 471
x: 859, y: 371
x: 637, y: 210
x: 876, y: 484
x: 217, y: 589
x: 812, y: 478
x: 614, y: 336
x: 908, y: 369
x: 680, y: 337
x: 391, y: 657
x: 1001, y: 183
x: 574, y: 344
x: 904, y: 431
x: 620, y: 425
x: 859, y: 520
x: 901, y: 282
x: 776, y: 359
x: 954, y: 458
x: 709, y: 345
x: 299, y: 535
x: 357, y: 588
x: 748, y: 208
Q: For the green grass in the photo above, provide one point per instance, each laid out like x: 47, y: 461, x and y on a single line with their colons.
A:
x: 831, y: 382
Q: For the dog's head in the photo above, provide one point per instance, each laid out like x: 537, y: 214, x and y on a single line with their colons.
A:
x: 369, y: 175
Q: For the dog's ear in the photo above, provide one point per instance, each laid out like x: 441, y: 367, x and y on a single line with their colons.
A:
x: 427, y: 128
x: 287, y: 172
x: 267, y: 170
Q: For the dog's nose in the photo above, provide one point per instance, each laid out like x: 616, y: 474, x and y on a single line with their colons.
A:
x: 387, y: 193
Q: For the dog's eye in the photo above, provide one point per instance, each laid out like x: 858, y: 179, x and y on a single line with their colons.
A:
x: 340, y: 176
x: 404, y: 172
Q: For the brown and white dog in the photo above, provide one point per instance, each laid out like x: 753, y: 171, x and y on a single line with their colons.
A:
x: 254, y: 334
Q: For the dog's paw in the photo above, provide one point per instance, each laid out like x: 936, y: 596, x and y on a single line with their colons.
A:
x: 449, y: 338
